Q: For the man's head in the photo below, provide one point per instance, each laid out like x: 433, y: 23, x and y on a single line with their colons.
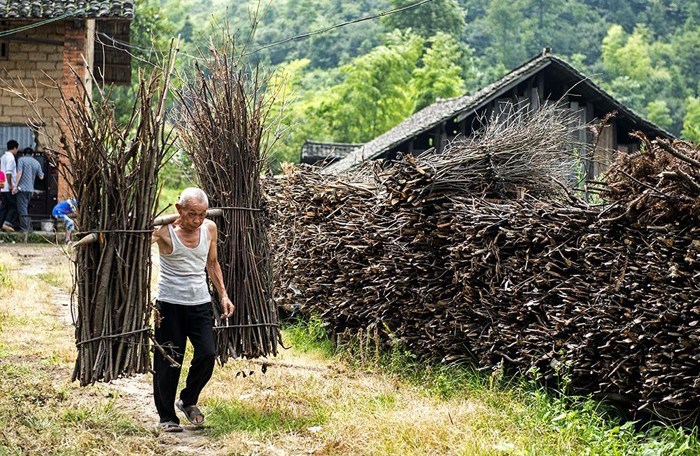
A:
x: 12, y: 146
x: 192, y: 208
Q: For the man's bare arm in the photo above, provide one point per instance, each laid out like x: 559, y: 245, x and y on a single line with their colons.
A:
x: 214, y: 270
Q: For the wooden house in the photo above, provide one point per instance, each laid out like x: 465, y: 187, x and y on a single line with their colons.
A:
x: 41, y: 43
x: 545, y: 78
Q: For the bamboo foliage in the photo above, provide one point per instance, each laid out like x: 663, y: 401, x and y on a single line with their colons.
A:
x: 112, y: 170
x: 224, y: 130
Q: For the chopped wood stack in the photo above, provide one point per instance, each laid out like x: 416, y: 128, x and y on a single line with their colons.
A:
x: 554, y: 286
x: 224, y: 132
x: 113, y: 173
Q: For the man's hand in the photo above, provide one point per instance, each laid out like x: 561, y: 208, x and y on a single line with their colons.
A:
x: 15, y: 190
x: 227, y: 307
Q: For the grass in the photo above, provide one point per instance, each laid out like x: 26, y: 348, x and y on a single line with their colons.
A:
x: 41, y: 411
x: 392, y: 404
x: 6, y: 282
x: 61, y: 278
x: 263, y: 421
x: 312, y: 399
x: 310, y: 336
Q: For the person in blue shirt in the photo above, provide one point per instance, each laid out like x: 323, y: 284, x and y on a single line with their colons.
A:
x: 61, y: 211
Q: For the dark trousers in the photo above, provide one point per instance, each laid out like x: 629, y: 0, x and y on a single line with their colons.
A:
x: 8, y: 209
x: 25, y: 222
x: 177, y: 324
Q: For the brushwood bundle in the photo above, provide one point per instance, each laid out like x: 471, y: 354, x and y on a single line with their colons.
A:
x: 546, y: 284
x: 659, y: 184
x: 112, y: 171
x: 224, y: 131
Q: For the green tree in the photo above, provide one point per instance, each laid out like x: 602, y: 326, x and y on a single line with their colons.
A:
x: 638, y: 75
x: 625, y: 55
x: 440, y: 75
x: 684, y: 52
x: 291, y: 112
x: 506, y: 19
x: 426, y: 20
x: 281, y: 20
x: 376, y: 91
x: 659, y: 113
x: 691, y: 122
x: 151, y: 32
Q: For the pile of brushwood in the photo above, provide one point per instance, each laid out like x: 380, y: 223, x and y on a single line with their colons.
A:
x: 439, y: 254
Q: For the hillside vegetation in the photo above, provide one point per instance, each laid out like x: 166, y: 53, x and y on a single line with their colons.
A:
x: 352, y: 83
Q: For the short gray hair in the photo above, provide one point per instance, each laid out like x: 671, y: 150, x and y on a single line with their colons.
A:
x: 193, y: 194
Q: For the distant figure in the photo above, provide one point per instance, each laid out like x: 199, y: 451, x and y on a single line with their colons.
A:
x: 8, y: 201
x: 61, y: 211
x: 28, y: 169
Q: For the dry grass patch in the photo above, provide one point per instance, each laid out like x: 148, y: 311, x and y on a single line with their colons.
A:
x: 333, y: 411
x: 41, y: 411
x: 310, y: 400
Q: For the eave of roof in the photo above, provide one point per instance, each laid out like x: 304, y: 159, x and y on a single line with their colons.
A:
x: 52, y: 9
x: 463, y: 106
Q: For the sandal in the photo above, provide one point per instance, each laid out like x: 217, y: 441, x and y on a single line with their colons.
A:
x: 170, y: 426
x: 191, y: 412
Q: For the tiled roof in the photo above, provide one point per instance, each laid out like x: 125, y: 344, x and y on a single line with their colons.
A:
x: 314, y: 151
x: 50, y: 9
x: 443, y: 110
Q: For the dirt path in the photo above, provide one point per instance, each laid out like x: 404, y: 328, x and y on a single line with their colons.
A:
x: 134, y: 394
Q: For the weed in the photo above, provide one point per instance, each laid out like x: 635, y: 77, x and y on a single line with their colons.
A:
x: 522, y: 416
x: 309, y: 336
x: 234, y: 416
x: 6, y: 282
x: 60, y: 279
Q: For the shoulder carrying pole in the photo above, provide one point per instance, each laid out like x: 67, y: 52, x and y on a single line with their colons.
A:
x: 91, y: 238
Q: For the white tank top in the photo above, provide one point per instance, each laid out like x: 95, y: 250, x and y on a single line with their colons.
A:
x: 182, y: 273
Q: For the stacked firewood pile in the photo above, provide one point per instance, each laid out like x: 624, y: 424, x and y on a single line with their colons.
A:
x: 551, y: 285
x: 660, y: 184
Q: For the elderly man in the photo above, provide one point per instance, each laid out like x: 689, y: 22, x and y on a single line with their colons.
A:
x: 187, y: 248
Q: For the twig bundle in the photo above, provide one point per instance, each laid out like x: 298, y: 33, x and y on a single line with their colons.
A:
x: 113, y: 172
x: 224, y: 131
x: 528, y: 151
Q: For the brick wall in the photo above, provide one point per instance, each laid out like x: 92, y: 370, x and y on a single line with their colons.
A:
x: 40, y: 60
x: 75, y: 54
x: 34, y: 65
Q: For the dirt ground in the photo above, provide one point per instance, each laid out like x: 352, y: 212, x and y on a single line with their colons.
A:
x: 135, y: 393
x: 305, y: 402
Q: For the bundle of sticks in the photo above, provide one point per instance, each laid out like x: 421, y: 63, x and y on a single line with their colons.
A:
x: 225, y: 133
x: 659, y: 184
x: 532, y: 152
x: 112, y: 170
x: 548, y: 285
